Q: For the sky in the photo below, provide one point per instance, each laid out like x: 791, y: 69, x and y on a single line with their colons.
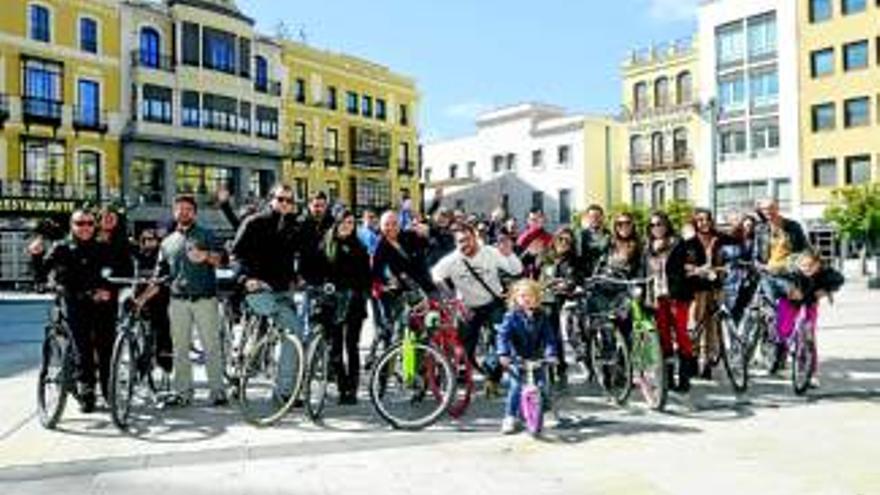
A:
x: 470, y: 56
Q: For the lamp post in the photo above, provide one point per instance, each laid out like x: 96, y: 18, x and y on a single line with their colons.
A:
x: 711, y: 108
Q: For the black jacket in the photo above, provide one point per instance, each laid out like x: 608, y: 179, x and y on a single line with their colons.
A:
x: 265, y: 248
x: 409, y: 260
x: 76, y: 268
x: 311, y: 233
x: 682, y: 286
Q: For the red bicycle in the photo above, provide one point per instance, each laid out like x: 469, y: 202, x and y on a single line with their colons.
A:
x: 443, y: 318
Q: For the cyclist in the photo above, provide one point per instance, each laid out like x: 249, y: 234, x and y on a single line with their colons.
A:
x: 313, y: 225
x: 347, y: 267
x: 473, y: 271
x: 156, y: 306
x: 560, y: 275
x: 75, y: 265
x: 594, y: 238
x: 189, y: 257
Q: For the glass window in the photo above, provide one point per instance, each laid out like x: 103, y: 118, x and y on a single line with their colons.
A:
x: 244, y: 58
x: 661, y: 92
x: 44, y: 167
x: 658, y: 193
x: 40, y: 30
x: 381, y: 110
x: 823, y: 117
x: 351, y: 102
x: 782, y: 193
x: 852, y: 6
x: 299, y: 90
x: 89, y: 173
x: 156, y: 105
x: 537, y: 158
x: 147, y: 178
x: 858, y: 169
x: 764, y: 88
x: 42, y: 89
x: 564, y: 206
x: 640, y: 97
x: 189, y: 109
x: 244, y: 117
x: 367, y: 106
x: 822, y: 62
x: 637, y: 153
x: 149, y: 47
x: 732, y: 94
x: 404, y: 115
x: 765, y: 136
x: 220, y: 113
x: 855, y: 55
x: 857, y: 112
x: 729, y: 43
x: 657, y: 148
x: 453, y: 171
x: 680, y: 145
x: 733, y: 141
x: 680, y: 189
x: 403, y: 155
x: 511, y: 161
x: 88, y: 35
x: 684, y: 88
x: 218, y: 50
x: 261, y: 183
x: 564, y: 154
x: 190, y: 50
x: 89, y: 102
x: 301, y: 191
x: 267, y: 122
x: 204, y: 181
x: 497, y: 163
x: 331, y: 98
x: 762, y: 35
x: 538, y: 200
x: 638, y: 193
x: 820, y: 10
x: 825, y: 172
x: 261, y: 74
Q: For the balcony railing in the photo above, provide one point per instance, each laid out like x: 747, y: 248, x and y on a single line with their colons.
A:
x: 89, y: 119
x: 334, y: 158
x: 54, y: 190
x: 152, y: 61
x: 646, y: 112
x: 4, y: 108
x: 371, y: 159
x: 41, y: 110
x: 673, y: 160
x: 406, y: 167
x: 302, y: 153
x: 269, y: 87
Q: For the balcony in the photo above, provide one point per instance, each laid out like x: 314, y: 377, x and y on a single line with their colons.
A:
x: 648, y: 112
x: 4, y: 109
x: 39, y: 110
x: 302, y: 153
x: 406, y: 167
x: 89, y: 119
x: 272, y: 88
x: 370, y: 159
x: 334, y: 158
x: 152, y: 61
x: 677, y: 160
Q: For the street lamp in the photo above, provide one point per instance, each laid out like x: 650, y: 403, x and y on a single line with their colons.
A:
x: 711, y: 108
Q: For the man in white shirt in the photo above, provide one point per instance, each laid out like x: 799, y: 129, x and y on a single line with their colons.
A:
x: 473, y: 271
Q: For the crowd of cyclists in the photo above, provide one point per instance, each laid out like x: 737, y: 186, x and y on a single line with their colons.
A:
x: 510, y: 278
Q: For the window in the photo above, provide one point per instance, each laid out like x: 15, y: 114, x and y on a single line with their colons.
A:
x: 680, y: 189
x: 331, y: 98
x: 301, y: 191
x: 855, y: 55
x: 191, y: 45
x: 367, y: 106
x: 733, y: 141
x: 244, y: 58
x: 403, y: 155
x: 299, y: 90
x: 638, y: 193
x: 334, y: 194
x: 852, y: 6
x: 453, y: 171
x: 684, y: 88
x: 637, y: 154
x: 497, y: 163
x: 44, y: 166
x: 427, y: 175
x: 261, y: 183
x: 147, y: 178
x: 88, y: 107
x: 244, y: 117
x: 381, y: 109
x: 782, y: 193
x: 40, y: 29
x: 564, y: 206
x: 822, y: 62
x: 351, y: 102
x: 88, y: 164
x: 204, y: 181
x: 764, y: 88
x: 657, y: 148
x: 189, y: 111
x: 537, y: 158
x: 729, y: 44
x: 88, y: 35
x: 820, y: 10
x: 218, y: 50
x: 858, y: 169
x: 149, y: 48
x: 658, y: 193
x: 680, y: 145
x: 661, y: 92
x: 471, y: 169
x: 739, y: 196
x: 825, y: 172
x: 640, y: 97
x: 511, y: 162
x: 331, y: 145
x: 762, y: 36
x: 538, y: 200
x: 856, y: 112
x: 156, y: 105
x: 765, y: 136
x: 261, y: 74
x: 823, y: 117
x: 42, y: 88
x: 267, y: 122
x: 404, y: 115
x: 563, y: 154
x: 220, y: 113
x: 732, y: 95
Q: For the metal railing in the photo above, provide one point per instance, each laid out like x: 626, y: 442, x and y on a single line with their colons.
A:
x: 37, y: 108
x: 370, y: 158
x: 269, y: 87
x: 157, y: 61
x: 302, y: 152
x: 671, y: 160
x: 89, y: 119
x: 334, y: 157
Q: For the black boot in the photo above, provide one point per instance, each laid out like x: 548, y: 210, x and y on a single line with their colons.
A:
x: 669, y: 369
x: 687, y: 369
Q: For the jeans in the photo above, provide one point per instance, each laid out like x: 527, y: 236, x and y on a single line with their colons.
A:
x: 492, y: 314
x: 514, y: 388
x: 183, y: 313
x: 279, y: 306
x: 92, y: 328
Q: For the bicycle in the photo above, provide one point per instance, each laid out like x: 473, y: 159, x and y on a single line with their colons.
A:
x: 320, y: 306
x: 802, y: 348
x: 533, y: 400
x: 403, y: 375
x: 646, y: 353
x: 133, y: 364
x: 55, y: 380
x: 443, y: 319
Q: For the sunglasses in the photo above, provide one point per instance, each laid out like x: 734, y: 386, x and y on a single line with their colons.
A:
x: 284, y: 199
x: 84, y: 223
x: 564, y: 239
x: 622, y: 223
x: 656, y: 224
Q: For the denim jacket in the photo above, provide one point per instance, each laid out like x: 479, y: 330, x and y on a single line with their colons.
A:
x: 520, y: 335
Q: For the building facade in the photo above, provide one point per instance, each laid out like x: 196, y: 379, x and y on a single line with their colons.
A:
x: 839, y: 77
x: 662, y: 118
x: 526, y: 156
x: 748, y: 50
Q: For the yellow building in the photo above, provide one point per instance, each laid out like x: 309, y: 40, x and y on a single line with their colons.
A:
x: 350, y: 129
x: 839, y: 100
x: 662, y: 123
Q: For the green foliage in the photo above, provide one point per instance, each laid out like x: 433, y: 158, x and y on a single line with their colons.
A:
x: 639, y: 213
x: 678, y: 211
x: 855, y: 213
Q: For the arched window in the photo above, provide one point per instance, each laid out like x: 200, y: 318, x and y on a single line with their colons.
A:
x: 640, y: 97
x: 149, y: 47
x: 40, y: 19
x: 261, y: 78
x: 680, y: 189
x: 638, y: 156
x: 658, y: 193
x: 661, y: 92
x: 684, y: 88
x: 680, y: 144
x: 657, y: 148
x: 638, y: 193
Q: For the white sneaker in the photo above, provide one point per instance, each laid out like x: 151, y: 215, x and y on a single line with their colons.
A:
x: 508, y: 425
x: 814, y: 382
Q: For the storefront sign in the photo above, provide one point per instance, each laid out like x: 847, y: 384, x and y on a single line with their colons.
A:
x: 34, y: 205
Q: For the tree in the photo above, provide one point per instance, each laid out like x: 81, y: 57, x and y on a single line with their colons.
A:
x: 855, y: 213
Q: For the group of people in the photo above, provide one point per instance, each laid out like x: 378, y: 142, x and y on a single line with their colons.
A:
x: 510, y: 279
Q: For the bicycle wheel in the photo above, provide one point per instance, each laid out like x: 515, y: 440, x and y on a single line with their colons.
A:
x: 319, y: 378
x: 54, y: 378
x: 612, y: 361
x: 123, y: 375
x: 735, y: 352
x: 803, y: 359
x: 409, y: 404
x: 531, y: 409
x: 649, y: 370
x: 464, y: 374
x: 269, y: 386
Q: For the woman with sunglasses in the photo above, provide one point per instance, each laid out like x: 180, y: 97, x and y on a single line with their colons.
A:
x: 559, y: 276
x: 347, y: 267
x: 623, y: 259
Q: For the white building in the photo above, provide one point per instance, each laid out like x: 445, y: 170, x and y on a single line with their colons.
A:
x: 748, y: 51
x: 524, y: 156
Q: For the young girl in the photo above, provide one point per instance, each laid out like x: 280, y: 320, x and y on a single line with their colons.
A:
x: 525, y: 333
